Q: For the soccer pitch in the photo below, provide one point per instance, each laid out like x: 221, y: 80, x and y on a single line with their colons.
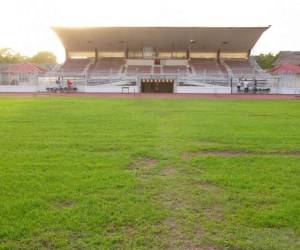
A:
x: 90, y: 173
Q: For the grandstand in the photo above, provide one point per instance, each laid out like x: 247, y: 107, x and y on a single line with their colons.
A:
x: 182, y: 56
x: 106, y: 66
x: 191, y: 59
x: 241, y: 67
x: 73, y: 65
x: 139, y: 69
x: 207, y: 66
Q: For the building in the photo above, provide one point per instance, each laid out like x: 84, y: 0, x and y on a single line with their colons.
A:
x: 160, y: 59
x: 287, y: 69
x: 288, y: 57
x: 20, y: 73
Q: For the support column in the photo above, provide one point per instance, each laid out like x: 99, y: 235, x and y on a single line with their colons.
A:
x: 96, y: 55
x: 67, y: 54
x: 249, y: 53
x: 218, y: 55
x: 188, y: 53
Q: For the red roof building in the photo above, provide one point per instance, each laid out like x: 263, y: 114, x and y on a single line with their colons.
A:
x: 23, y: 68
x: 286, y: 69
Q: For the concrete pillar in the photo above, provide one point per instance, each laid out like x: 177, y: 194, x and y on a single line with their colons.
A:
x: 218, y: 55
x: 96, y: 55
x: 249, y: 53
x: 67, y: 54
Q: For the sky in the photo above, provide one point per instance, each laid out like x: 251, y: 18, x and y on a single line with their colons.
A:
x: 25, y: 25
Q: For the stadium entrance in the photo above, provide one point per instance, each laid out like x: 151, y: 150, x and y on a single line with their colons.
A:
x: 157, y: 86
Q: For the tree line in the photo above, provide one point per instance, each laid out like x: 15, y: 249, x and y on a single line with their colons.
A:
x: 265, y: 61
x: 8, y: 56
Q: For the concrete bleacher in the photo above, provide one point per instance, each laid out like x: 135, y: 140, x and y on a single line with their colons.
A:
x: 174, y: 69
x: 139, y: 69
x: 207, y: 66
x: 75, y: 65
x: 107, y: 65
x: 241, y: 67
x: 200, y: 67
x: 157, y: 70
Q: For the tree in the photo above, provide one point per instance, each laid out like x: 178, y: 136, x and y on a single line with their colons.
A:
x: 45, y: 57
x: 266, y: 61
x: 7, y: 55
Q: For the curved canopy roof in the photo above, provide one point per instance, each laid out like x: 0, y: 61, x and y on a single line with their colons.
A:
x: 202, y: 39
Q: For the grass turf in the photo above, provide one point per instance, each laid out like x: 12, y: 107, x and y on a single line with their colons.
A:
x: 149, y: 174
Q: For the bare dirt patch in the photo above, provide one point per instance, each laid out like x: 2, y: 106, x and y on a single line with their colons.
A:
x: 209, y: 187
x: 143, y: 167
x: 215, y: 212
x: 289, y: 153
x: 168, y: 172
x: 178, y: 239
x: 173, y: 201
x: 143, y: 163
x: 187, y: 156
x: 226, y: 153
x: 64, y: 204
x: 231, y: 153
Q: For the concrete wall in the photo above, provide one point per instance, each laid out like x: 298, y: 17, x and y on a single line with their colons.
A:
x: 286, y: 91
x: 136, y: 89
x: 289, y: 81
x: 18, y: 89
x: 110, y: 89
x: 203, y: 90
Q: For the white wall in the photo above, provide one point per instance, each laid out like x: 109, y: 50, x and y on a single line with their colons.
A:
x: 203, y: 90
x: 18, y: 89
x: 285, y: 91
x: 289, y: 81
x: 86, y: 89
x: 135, y: 89
x: 110, y: 89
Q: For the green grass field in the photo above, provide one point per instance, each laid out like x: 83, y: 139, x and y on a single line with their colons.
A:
x: 89, y: 173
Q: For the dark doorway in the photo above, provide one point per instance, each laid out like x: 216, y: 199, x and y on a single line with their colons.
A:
x: 157, y: 86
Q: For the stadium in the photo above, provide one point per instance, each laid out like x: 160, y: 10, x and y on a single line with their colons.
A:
x: 213, y: 60
x: 160, y: 125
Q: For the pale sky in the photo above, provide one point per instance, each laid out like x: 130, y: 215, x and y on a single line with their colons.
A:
x: 25, y: 25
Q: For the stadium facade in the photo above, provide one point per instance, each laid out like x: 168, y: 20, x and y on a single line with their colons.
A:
x: 160, y: 60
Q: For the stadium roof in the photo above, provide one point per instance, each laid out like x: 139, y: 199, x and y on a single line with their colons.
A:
x: 204, y: 39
